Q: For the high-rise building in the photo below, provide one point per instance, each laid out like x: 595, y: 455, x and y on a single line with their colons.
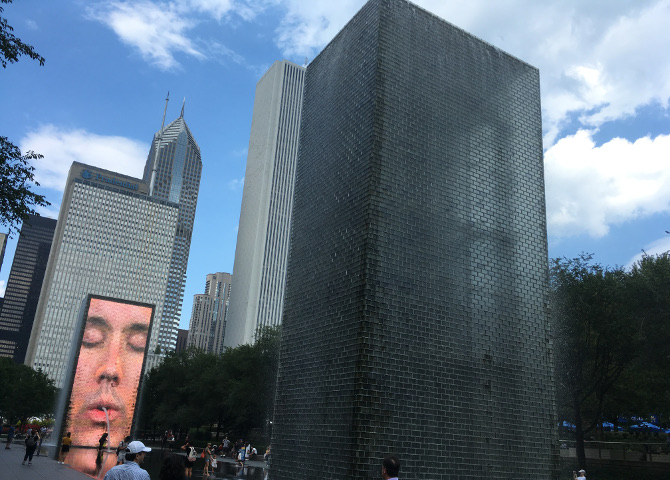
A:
x: 415, y: 318
x: 173, y: 172
x: 208, y: 318
x: 24, y: 285
x: 262, y: 248
x: 182, y: 340
x: 112, y: 239
x: 3, y: 247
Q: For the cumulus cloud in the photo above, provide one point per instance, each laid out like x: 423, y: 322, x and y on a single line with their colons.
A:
x: 599, y: 59
x: 61, y: 147
x: 157, y: 31
x: 657, y: 247
x: 590, y: 188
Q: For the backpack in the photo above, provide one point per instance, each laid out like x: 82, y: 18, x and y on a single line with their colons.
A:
x: 30, y: 441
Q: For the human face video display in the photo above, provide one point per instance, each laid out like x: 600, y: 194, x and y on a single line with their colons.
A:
x: 108, y: 370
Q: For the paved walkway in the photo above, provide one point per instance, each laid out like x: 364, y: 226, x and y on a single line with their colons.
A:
x: 43, y: 467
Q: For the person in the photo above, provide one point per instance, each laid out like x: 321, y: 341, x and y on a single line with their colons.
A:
x: 241, y: 455
x: 191, y: 457
x: 131, y: 470
x: 10, y: 436
x: 64, y: 448
x: 582, y: 475
x: 108, y: 370
x: 172, y: 468
x: 31, y: 441
x: 208, y: 458
x: 43, y: 432
x: 213, y: 463
x: 121, y: 450
x: 390, y: 468
x: 226, y: 446
x: 268, y: 456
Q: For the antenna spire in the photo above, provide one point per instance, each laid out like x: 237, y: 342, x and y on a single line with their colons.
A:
x: 182, y: 108
x: 165, y: 111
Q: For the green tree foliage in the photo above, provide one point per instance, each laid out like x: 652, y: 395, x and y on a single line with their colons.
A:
x: 611, y: 332
x: 12, y: 47
x: 16, y: 174
x: 16, y: 180
x: 25, y: 392
x: 234, y: 390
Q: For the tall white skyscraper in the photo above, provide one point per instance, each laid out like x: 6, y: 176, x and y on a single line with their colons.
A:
x: 263, y: 238
x: 208, y: 317
x: 111, y: 239
x: 173, y: 171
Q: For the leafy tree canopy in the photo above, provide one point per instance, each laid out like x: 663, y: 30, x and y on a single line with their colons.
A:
x: 12, y: 47
x: 25, y: 392
x: 16, y: 174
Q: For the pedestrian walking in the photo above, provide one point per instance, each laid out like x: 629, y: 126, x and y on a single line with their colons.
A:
x: 10, y: 436
x: 31, y: 443
x: 64, y: 448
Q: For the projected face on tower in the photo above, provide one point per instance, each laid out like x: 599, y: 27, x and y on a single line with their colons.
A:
x: 108, y: 370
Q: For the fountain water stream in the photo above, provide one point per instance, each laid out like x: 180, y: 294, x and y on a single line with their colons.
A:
x: 109, y: 440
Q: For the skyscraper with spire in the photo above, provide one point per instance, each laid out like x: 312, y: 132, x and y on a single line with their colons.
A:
x: 121, y: 237
x: 173, y: 172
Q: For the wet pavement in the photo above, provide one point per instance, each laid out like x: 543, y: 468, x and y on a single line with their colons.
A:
x: 78, y: 461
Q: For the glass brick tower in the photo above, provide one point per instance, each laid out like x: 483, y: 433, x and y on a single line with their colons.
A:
x: 173, y: 172
x: 415, y: 318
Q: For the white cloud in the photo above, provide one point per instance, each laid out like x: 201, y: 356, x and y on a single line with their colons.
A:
x: 236, y: 184
x: 61, y: 147
x: 601, y: 58
x: 662, y: 245
x: 590, y: 188
x: 157, y: 31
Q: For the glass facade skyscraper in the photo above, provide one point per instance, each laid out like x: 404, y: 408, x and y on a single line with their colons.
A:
x: 112, y: 240
x: 173, y: 172
x: 24, y: 286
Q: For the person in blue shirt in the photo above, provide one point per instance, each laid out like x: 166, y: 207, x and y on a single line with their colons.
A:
x: 390, y: 468
x: 131, y: 470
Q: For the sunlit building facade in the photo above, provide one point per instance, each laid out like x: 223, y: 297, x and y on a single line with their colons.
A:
x: 208, y: 317
x: 112, y: 240
x: 173, y: 172
x: 262, y: 248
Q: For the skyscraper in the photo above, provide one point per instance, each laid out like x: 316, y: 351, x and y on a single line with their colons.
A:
x: 263, y: 237
x: 415, y: 315
x: 24, y: 286
x: 111, y: 239
x: 208, y: 318
x: 173, y: 172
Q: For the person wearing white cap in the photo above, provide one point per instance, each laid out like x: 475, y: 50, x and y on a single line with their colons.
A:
x: 131, y: 469
x: 582, y: 475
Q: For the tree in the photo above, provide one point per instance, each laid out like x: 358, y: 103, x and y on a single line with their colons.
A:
x: 16, y: 174
x: 25, y: 392
x: 597, y: 339
x: 12, y: 47
x: 16, y: 179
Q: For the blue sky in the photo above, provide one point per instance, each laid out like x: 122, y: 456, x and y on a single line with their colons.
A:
x: 99, y: 98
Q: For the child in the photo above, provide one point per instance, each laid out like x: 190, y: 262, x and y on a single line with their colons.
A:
x: 213, y: 463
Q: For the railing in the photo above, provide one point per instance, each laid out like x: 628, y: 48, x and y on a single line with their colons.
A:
x: 619, y: 451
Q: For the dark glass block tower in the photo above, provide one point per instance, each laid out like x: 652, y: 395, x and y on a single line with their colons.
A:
x: 415, y: 317
x: 24, y: 286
